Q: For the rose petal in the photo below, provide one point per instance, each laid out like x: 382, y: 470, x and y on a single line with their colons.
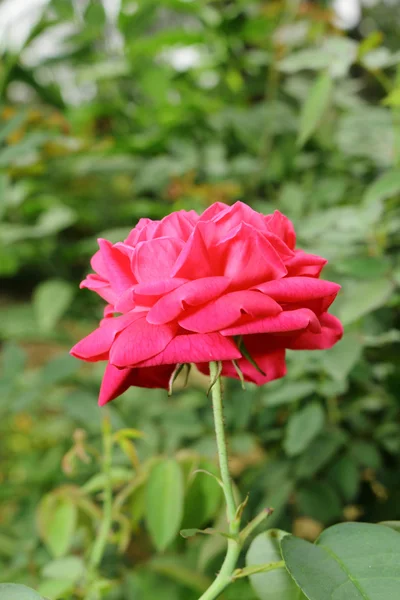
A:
x: 280, y: 246
x: 140, y: 341
x: 305, y: 264
x: 177, y: 225
x: 195, y: 347
x: 282, y: 227
x: 108, y: 311
x: 331, y: 332
x: 142, y: 232
x: 213, y: 211
x: 158, y: 288
x: 97, y: 344
x: 98, y: 265
x: 117, y: 381
x: 117, y: 266
x: 298, y: 289
x: 154, y: 259
x: 96, y: 284
x: 195, y: 259
x: 235, y: 215
x: 227, y: 309
x: 248, y: 258
x: 193, y: 293
x: 286, y: 321
x: 126, y: 301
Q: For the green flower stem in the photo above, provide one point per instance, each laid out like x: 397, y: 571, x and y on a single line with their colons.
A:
x: 216, y: 392
x: 225, y: 576
x: 106, y: 522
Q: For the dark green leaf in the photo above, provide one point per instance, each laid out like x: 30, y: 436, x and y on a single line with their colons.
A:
x: 13, y: 591
x: 314, y: 107
x: 51, y: 300
x: 164, y: 502
x: 356, y: 561
x: 302, y: 428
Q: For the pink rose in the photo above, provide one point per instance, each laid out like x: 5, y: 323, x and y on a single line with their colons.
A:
x: 216, y: 287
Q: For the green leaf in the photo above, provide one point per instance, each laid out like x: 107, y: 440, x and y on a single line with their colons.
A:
x: 287, y: 392
x: 164, y: 497
x: 29, y: 144
x: 203, y: 496
x: 70, y: 568
x: 138, y: 505
x: 353, y: 561
x: 336, y: 54
x: 13, y: 591
x: 345, y: 476
x: 118, y: 476
x: 314, y: 107
x: 365, y: 454
x: 302, y: 428
x: 50, y: 301
x: 392, y: 99
x: 318, y: 500
x: 57, y: 516
x: 13, y: 359
x: 11, y: 125
x: 392, y: 524
x: 265, y: 548
x: 57, y: 218
x: 56, y: 589
x: 340, y: 360
x: 319, y: 452
x: 59, y: 369
x: 363, y: 297
x: 384, y: 187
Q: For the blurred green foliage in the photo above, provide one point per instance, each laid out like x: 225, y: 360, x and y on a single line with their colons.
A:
x: 173, y: 104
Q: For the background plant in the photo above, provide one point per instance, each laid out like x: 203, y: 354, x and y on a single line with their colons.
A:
x: 170, y: 105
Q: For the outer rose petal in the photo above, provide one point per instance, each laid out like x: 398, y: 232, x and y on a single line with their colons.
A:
x: 100, y: 286
x: 154, y: 259
x: 193, y: 293
x: 282, y: 227
x: 227, y: 309
x: 306, y: 264
x: 195, y: 347
x: 280, y: 246
x: 118, y: 267
x: 117, y: 381
x: 140, y: 341
x: 97, y: 263
x: 158, y: 288
x: 298, y: 289
x: 125, y: 302
x: 285, y: 322
x: 97, y: 344
x: 331, y: 332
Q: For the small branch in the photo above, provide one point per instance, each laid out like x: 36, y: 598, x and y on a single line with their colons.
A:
x: 106, y: 522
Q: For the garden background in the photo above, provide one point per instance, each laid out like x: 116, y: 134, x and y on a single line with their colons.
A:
x: 113, y: 112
